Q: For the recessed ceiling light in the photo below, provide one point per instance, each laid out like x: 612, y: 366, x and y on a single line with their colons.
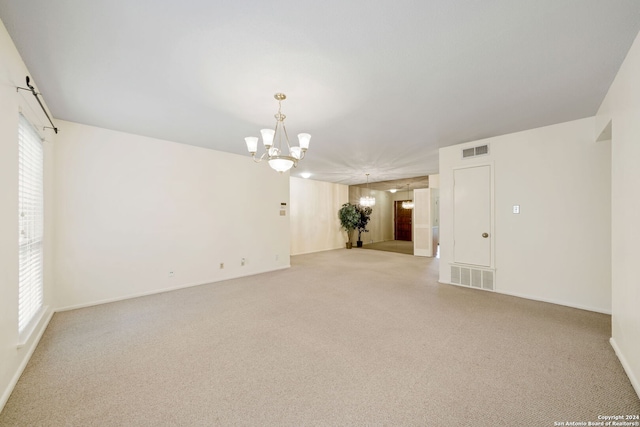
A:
x: 393, y: 190
x: 305, y: 175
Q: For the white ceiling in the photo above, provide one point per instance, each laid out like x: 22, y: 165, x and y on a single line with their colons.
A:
x: 380, y: 85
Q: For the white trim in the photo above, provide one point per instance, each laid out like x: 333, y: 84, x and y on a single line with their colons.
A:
x: 319, y: 250
x: 635, y: 383
x: 25, y: 336
x: 459, y: 285
x: 160, y: 291
x: 566, y: 304
x: 529, y: 297
x: 43, y: 327
x: 341, y: 247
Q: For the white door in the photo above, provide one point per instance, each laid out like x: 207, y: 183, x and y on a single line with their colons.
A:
x: 472, y: 216
x: 422, y: 222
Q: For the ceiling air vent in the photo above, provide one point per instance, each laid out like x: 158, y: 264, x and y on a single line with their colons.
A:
x: 475, y: 151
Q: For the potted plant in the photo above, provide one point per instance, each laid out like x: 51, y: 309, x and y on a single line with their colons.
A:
x: 364, y: 215
x: 349, y: 218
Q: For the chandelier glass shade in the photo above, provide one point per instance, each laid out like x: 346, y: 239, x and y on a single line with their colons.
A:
x: 367, y: 200
x: 272, y: 139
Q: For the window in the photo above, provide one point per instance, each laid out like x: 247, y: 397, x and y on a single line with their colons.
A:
x: 30, y: 223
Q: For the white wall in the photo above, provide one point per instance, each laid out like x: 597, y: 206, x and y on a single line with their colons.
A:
x: 622, y: 106
x: 130, y: 209
x: 126, y: 210
x: 558, y: 248
x: 314, y: 215
x: 12, y: 74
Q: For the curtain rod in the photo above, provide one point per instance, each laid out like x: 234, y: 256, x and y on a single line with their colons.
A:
x: 32, y: 89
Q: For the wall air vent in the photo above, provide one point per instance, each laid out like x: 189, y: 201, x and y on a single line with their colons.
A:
x: 475, y: 151
x: 487, y: 280
x: 468, y: 152
x: 472, y: 277
x: 482, y: 149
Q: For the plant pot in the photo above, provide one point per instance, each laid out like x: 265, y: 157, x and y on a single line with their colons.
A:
x: 359, y: 243
x: 349, y: 245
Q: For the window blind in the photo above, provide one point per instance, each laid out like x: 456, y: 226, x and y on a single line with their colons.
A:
x: 30, y: 222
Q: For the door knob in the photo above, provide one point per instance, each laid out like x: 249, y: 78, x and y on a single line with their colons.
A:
x: 485, y: 235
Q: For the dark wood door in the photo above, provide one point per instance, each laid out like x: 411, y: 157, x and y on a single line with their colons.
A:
x: 403, y: 222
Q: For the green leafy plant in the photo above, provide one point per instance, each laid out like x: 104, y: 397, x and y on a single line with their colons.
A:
x: 349, y: 218
x: 364, y: 213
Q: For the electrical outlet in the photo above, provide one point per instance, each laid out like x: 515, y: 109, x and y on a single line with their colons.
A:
x: 171, y: 274
x: 221, y: 265
x: 242, y: 262
x: 277, y: 257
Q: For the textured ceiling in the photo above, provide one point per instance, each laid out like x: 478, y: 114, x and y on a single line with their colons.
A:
x: 380, y: 85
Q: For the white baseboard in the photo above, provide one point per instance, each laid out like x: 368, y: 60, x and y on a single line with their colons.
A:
x: 37, y: 335
x: 163, y: 290
x: 315, y: 251
x: 467, y: 287
x: 535, y: 298
x: 635, y: 382
x: 552, y: 301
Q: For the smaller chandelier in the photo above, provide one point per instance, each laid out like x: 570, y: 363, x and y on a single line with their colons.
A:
x: 407, y: 204
x: 272, y: 141
x: 367, y: 200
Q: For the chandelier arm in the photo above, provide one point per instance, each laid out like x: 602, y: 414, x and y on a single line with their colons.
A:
x: 284, y: 128
x: 259, y: 159
x: 275, y: 135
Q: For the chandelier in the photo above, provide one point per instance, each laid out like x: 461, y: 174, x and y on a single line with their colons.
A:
x: 272, y: 140
x: 407, y: 204
x: 367, y: 200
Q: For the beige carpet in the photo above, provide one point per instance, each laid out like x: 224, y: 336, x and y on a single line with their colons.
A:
x: 399, y: 246
x: 345, y: 337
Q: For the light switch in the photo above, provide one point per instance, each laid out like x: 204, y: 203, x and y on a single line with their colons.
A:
x: 516, y: 209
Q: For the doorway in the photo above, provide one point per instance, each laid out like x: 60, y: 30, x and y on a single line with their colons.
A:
x: 403, y: 221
